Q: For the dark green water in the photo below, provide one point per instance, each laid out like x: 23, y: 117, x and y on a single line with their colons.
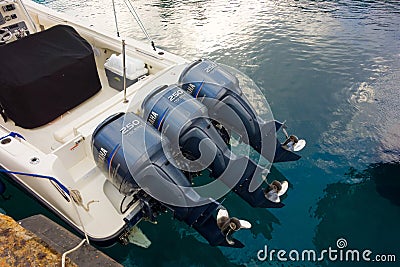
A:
x: 332, y: 70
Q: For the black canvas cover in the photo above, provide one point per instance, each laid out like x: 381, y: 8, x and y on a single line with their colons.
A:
x: 45, y: 74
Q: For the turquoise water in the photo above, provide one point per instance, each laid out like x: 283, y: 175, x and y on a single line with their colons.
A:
x: 332, y: 70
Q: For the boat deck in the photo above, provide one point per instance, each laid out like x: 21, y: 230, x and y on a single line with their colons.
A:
x: 62, y: 148
x: 47, y: 138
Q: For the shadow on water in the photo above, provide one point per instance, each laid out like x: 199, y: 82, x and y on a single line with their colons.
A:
x: 262, y: 220
x: 18, y: 204
x: 387, y: 179
x: 365, y: 211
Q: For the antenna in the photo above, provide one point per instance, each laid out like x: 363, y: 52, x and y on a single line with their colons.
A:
x: 133, y: 12
x: 115, y: 17
x: 124, y: 70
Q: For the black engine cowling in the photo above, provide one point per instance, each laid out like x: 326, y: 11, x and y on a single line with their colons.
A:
x: 211, y: 84
x: 185, y: 122
x: 130, y: 154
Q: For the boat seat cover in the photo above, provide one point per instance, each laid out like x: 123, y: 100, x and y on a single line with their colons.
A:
x: 46, y: 74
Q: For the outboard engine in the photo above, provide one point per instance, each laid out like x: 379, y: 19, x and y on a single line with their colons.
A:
x: 184, y: 121
x: 208, y: 82
x: 130, y: 154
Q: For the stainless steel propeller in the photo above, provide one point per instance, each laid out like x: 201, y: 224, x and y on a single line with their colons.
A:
x: 229, y: 225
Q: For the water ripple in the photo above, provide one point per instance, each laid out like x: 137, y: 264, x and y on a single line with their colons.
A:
x: 364, y: 93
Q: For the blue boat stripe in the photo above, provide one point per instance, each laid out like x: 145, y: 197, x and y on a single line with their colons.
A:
x: 159, y: 124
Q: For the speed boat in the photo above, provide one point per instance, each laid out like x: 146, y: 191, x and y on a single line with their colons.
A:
x: 104, y: 131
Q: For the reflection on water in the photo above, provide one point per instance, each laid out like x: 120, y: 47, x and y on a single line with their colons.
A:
x: 364, y: 94
x: 366, y: 127
x: 365, y: 213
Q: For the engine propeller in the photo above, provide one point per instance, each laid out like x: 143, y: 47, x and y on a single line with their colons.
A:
x: 275, y: 190
x: 230, y: 225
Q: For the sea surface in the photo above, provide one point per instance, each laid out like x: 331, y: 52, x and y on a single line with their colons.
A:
x: 331, y: 69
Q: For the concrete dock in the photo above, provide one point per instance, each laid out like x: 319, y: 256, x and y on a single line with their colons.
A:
x: 38, y: 241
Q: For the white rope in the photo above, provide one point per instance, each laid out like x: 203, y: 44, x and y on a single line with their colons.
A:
x: 80, y: 219
x: 69, y: 251
x: 64, y: 255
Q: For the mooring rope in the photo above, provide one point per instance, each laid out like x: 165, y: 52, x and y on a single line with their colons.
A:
x: 76, y: 200
x: 86, y: 239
